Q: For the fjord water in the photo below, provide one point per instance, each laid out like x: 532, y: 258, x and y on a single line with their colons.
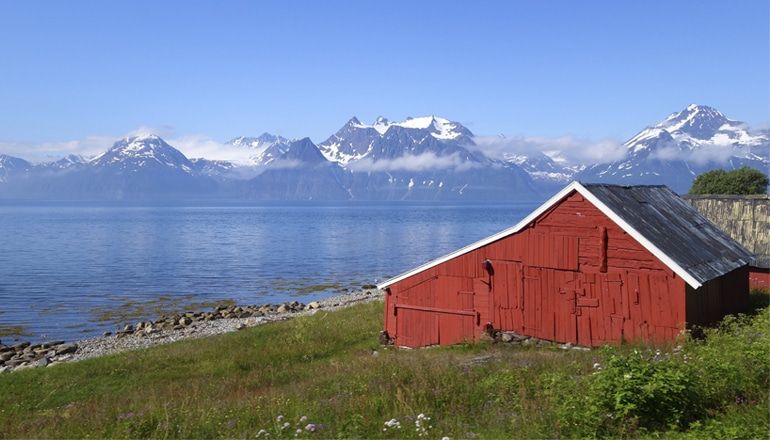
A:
x: 68, y: 272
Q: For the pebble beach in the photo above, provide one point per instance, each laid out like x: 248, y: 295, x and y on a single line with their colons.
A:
x: 170, y: 328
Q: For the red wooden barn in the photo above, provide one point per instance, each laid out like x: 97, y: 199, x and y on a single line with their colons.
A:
x: 595, y: 264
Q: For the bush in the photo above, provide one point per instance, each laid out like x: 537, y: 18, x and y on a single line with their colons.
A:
x: 741, y: 181
x: 647, y: 391
x: 637, y: 391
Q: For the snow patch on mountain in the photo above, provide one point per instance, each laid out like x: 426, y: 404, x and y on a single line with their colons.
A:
x: 441, y: 128
x: 264, y: 148
x: 147, y: 150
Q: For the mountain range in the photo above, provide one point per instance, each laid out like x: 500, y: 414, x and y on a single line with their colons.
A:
x: 420, y: 159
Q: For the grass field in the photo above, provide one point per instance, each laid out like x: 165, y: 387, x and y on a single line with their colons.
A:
x: 324, y: 368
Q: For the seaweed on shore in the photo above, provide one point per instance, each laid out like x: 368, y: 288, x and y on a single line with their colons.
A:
x: 14, y: 330
x: 131, y: 309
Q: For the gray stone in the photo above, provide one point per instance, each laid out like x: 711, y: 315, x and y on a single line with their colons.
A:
x: 20, y: 346
x: 283, y: 308
x: 506, y: 337
x: 184, y: 321
x: 5, y: 370
x: 128, y: 328
x: 66, y: 348
x: 13, y: 363
x: 314, y: 305
x: 42, y: 362
x: 240, y: 326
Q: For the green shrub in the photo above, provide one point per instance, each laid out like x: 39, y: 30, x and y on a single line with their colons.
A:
x: 743, y: 180
x: 645, y: 390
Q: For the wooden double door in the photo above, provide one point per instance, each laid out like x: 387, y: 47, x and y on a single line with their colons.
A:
x: 441, y: 310
x: 560, y: 305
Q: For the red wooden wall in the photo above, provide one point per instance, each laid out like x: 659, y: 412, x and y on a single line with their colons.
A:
x: 572, y: 275
x: 759, y: 278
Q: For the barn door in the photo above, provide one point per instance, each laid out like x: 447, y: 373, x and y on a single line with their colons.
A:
x: 439, y: 310
x: 531, y: 304
x: 507, y: 296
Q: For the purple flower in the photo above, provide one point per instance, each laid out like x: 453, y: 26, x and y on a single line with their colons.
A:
x: 310, y: 427
x: 127, y: 415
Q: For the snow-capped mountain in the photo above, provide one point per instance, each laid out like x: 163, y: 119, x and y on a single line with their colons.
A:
x: 12, y: 167
x: 142, y: 152
x: 266, y: 147
x: 66, y: 163
x: 135, y: 168
x: 682, y: 146
x: 388, y: 140
x: 423, y: 158
x: 298, y: 171
x: 541, y: 167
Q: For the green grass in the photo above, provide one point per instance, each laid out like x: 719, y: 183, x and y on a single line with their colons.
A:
x: 323, y: 367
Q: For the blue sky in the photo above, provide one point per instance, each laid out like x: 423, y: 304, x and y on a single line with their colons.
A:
x: 598, y: 69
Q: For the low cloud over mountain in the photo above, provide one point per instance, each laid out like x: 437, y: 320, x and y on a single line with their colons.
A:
x: 423, y: 158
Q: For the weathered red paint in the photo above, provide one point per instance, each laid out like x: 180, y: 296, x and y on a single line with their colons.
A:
x: 759, y: 278
x: 572, y: 275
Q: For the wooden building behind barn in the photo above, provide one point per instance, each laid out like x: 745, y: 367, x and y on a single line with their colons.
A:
x: 595, y: 264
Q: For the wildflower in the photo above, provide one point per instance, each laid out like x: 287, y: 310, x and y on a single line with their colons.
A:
x: 279, y: 419
x: 298, y: 431
x: 445, y: 438
x: 597, y: 366
x: 303, y: 419
x: 127, y: 415
x: 285, y: 425
x: 261, y: 433
x: 310, y: 427
x: 393, y: 424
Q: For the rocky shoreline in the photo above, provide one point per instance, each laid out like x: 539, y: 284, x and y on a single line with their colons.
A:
x: 169, y: 328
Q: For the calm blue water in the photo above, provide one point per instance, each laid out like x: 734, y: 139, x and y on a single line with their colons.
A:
x: 63, y: 267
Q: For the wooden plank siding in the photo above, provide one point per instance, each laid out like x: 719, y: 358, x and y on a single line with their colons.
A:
x: 572, y: 275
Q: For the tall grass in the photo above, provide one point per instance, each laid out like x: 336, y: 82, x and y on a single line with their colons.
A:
x: 330, y: 369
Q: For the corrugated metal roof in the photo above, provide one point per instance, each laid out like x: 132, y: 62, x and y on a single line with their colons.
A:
x: 674, y: 227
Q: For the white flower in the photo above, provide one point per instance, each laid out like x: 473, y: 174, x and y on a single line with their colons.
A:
x: 303, y: 419
x: 279, y: 419
x: 285, y: 425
